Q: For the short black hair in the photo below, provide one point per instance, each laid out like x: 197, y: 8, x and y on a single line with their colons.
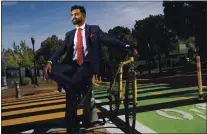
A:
x: 82, y: 9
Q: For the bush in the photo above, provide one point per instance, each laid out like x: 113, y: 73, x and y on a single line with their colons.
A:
x: 27, y: 81
x: 40, y: 80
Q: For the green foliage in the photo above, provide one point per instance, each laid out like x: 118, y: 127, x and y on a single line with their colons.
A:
x: 153, y: 37
x: 188, y: 18
x: 124, y: 34
x: 27, y: 81
x: 46, y: 50
x: 20, y: 55
x: 26, y: 55
x: 105, y: 54
x: 10, y: 58
x: 190, y: 43
x: 40, y: 80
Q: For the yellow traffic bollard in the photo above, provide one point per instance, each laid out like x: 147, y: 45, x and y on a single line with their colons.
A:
x: 94, y: 81
x: 100, y: 79
x: 18, y: 93
x: 97, y: 79
x: 135, y: 88
x: 200, y: 88
x: 121, y: 82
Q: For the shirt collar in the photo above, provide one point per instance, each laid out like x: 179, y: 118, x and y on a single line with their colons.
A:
x: 82, y: 27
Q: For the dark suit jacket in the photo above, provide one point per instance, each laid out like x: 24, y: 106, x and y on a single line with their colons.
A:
x: 94, y: 36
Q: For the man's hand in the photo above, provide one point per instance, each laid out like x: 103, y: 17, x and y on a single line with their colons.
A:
x: 132, y: 50
x: 47, y: 69
x: 127, y: 47
x: 135, y: 52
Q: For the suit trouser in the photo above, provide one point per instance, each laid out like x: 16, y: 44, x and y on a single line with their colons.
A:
x: 72, y: 77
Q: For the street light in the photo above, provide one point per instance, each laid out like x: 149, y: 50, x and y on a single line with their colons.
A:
x: 35, y: 76
x: 3, y: 69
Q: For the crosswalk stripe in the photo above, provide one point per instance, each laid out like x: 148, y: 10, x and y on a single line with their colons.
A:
x: 42, y: 117
x: 35, y: 100
x: 32, y: 104
x: 25, y: 98
x: 150, y: 85
x: 15, y: 111
x: 32, y: 110
x: 155, y: 93
x: 32, y: 119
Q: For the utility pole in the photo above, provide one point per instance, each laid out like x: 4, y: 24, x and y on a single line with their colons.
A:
x: 3, y: 69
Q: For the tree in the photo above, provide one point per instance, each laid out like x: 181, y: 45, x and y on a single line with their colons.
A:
x: 104, y: 53
x: 10, y: 59
x: 21, y: 55
x: 124, y: 34
x: 190, y: 43
x: 26, y: 55
x: 46, y: 50
x: 154, y: 38
x: 188, y: 18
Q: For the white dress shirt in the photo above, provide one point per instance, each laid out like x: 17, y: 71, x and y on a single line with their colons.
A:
x: 84, y: 42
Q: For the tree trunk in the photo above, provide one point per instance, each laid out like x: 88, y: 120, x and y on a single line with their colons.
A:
x: 159, y: 64
x: 148, y: 66
x: 201, y: 43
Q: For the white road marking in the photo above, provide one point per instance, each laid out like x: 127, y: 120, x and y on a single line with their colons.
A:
x: 139, y: 126
x: 28, y: 132
x: 112, y: 128
x: 98, y: 101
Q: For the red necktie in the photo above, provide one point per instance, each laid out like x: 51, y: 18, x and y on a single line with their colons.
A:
x: 79, y: 47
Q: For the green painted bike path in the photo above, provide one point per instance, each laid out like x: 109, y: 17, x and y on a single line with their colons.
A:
x: 178, y: 118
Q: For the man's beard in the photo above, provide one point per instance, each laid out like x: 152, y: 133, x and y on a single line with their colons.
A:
x: 76, y: 21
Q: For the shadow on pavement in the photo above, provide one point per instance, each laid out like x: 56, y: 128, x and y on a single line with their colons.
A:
x: 179, y: 81
x: 173, y: 84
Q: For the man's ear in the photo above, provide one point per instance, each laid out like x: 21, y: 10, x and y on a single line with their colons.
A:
x: 84, y: 15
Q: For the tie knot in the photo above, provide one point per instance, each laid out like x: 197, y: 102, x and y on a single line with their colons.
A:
x: 79, y: 29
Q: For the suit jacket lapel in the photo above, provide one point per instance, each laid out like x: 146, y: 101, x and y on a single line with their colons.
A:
x: 72, y: 37
x: 71, y: 41
x: 87, y: 33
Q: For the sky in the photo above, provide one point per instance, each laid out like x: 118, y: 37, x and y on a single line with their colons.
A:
x: 22, y: 20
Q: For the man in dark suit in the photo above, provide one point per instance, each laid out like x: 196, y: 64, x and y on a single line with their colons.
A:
x: 82, y: 46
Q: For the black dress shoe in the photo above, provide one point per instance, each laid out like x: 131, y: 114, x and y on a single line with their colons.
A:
x: 96, y: 128
x: 95, y: 124
x: 72, y: 130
